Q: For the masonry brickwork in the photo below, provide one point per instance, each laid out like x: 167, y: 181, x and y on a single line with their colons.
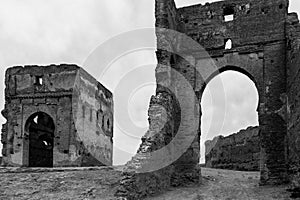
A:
x: 239, y: 151
x: 56, y: 116
x: 264, y: 42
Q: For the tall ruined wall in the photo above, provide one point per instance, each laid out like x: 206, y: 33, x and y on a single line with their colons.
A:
x: 93, y: 118
x: 50, y: 90
x: 258, y: 36
x: 293, y: 101
x: 239, y: 151
x: 145, y: 174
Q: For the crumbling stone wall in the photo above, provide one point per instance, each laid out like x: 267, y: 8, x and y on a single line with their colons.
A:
x: 145, y: 174
x: 73, y: 100
x: 258, y: 33
x: 258, y: 50
x: 239, y: 151
x: 293, y: 99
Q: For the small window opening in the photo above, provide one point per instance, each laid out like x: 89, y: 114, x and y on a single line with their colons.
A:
x: 38, y: 80
x: 228, y: 18
x: 228, y: 44
x: 228, y: 13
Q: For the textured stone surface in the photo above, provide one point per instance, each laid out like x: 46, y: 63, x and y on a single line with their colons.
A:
x: 293, y: 101
x: 59, y: 183
x: 265, y: 47
x: 259, y: 51
x: 61, y: 105
x: 100, y: 183
x: 239, y: 151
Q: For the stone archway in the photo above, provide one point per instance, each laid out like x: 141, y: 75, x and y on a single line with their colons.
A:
x: 271, y: 122
x: 230, y: 104
x: 40, y: 127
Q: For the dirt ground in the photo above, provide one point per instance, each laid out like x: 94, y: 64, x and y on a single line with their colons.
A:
x: 100, y: 183
x: 226, y: 185
x: 71, y: 183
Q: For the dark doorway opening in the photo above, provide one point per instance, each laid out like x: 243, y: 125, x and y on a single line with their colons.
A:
x: 40, y: 127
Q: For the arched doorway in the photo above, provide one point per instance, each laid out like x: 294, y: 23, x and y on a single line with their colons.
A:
x: 230, y: 99
x: 229, y: 104
x: 40, y: 127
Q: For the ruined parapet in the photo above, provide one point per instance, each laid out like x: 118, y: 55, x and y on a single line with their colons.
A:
x: 56, y: 116
x: 239, y: 151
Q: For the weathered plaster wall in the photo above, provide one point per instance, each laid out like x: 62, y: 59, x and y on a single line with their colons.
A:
x: 51, y: 90
x: 239, y: 151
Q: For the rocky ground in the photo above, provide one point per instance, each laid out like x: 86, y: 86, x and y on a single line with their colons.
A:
x: 58, y: 184
x: 227, y: 185
x: 101, y: 183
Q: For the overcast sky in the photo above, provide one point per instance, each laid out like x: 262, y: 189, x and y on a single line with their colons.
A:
x: 67, y: 31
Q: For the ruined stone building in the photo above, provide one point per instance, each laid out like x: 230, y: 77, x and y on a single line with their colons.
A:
x: 56, y: 116
x: 258, y: 38
x: 239, y: 151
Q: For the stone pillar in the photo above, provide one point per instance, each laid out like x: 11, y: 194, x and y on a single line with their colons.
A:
x: 272, y: 118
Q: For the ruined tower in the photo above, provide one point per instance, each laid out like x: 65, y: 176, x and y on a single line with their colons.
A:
x: 56, y: 116
x: 258, y: 38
